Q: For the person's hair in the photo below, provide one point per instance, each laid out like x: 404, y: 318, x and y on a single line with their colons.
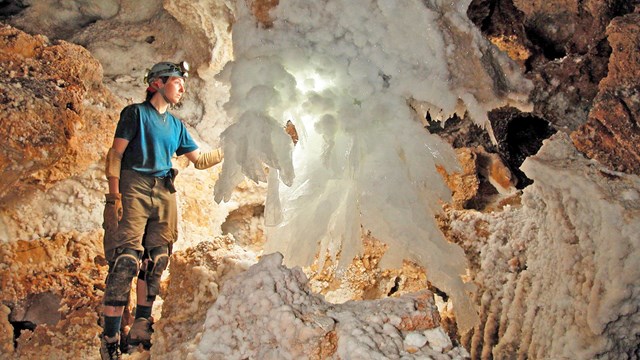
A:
x: 151, y: 93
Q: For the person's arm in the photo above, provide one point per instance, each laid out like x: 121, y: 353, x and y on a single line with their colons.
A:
x: 113, y: 200
x: 113, y: 166
x: 205, y: 160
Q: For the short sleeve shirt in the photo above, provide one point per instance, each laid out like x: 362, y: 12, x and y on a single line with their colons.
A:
x: 153, y: 139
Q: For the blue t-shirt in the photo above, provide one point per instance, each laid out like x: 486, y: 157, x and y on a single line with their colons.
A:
x: 153, y: 139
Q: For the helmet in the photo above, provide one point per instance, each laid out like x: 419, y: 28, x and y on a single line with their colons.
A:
x: 164, y: 68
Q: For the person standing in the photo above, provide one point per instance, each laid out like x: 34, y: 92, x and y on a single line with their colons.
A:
x: 140, y: 215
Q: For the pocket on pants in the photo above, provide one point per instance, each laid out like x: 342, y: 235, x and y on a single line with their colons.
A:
x: 110, y: 226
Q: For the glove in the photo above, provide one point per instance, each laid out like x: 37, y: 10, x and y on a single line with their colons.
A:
x: 208, y: 159
x: 112, y: 213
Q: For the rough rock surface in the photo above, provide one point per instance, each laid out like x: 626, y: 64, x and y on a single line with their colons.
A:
x: 55, y: 109
x: 363, y: 279
x: 573, y: 53
x: 270, y: 304
x: 241, y: 217
x: 196, y: 278
x: 612, y: 133
x: 557, y: 276
x: 214, y: 288
x: 562, y: 27
x: 562, y: 46
x: 528, y: 308
x: 565, y: 88
x: 485, y: 182
x: 54, y: 287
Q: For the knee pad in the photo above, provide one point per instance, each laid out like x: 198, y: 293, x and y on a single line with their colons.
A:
x: 158, y: 263
x: 118, y: 287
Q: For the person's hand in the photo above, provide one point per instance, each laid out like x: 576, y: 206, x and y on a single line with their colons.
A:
x: 112, y: 213
x: 208, y: 159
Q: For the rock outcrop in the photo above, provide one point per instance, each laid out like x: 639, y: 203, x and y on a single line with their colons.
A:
x: 51, y: 297
x: 197, y: 276
x: 268, y: 311
x: 562, y: 45
x: 557, y: 277
x: 57, y: 114
x: 612, y: 132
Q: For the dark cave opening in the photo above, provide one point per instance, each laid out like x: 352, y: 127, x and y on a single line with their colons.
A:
x: 395, y: 287
x: 18, y: 327
x: 496, y: 17
x: 34, y: 310
x: 459, y: 132
x: 524, y: 138
x: 519, y: 136
x: 550, y: 49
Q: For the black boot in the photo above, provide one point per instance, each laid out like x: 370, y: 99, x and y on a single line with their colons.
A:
x: 110, y: 347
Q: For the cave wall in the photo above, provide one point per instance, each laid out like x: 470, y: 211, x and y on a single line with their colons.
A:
x: 580, y: 56
x: 557, y: 276
x: 128, y: 37
x: 52, y: 292
x: 56, y: 112
x: 610, y: 134
x: 76, y: 64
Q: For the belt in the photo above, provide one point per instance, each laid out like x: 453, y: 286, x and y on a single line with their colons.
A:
x: 157, y: 177
x: 168, y: 174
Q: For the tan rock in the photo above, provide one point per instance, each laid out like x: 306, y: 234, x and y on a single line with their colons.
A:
x: 196, y: 276
x: 56, y: 284
x: 485, y: 183
x: 513, y: 46
x: 6, y: 332
x: 496, y: 172
x: 58, y: 117
x: 624, y: 65
x: 612, y: 133
x: 465, y: 184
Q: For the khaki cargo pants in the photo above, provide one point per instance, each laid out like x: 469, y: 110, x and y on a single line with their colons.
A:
x: 149, y: 211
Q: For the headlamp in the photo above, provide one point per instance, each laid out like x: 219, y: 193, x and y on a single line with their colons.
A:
x: 184, y: 66
x: 163, y: 69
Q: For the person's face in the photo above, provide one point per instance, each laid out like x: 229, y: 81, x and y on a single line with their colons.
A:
x: 174, y: 89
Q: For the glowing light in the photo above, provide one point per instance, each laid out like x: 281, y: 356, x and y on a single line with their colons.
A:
x: 310, y: 85
x: 311, y: 82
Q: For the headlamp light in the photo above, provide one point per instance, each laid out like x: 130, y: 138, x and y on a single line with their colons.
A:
x: 184, y: 66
